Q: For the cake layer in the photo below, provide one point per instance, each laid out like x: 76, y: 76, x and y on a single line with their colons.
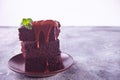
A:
x: 44, y: 64
x: 26, y: 34
x: 30, y: 49
x: 55, y: 63
x: 36, y: 64
x: 29, y: 35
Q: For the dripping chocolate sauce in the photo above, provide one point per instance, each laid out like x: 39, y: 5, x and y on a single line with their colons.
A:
x: 42, y: 31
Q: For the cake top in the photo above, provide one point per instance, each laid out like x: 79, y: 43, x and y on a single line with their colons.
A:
x: 47, y: 29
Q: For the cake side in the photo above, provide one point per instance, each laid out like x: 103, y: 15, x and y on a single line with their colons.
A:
x: 46, y: 57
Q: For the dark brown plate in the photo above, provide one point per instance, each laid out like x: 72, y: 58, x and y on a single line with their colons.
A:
x: 17, y: 64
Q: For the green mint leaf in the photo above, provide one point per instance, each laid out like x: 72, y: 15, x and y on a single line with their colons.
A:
x: 29, y: 19
x: 26, y: 22
x: 29, y: 26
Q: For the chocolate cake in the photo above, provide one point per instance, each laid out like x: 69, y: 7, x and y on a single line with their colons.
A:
x: 40, y: 46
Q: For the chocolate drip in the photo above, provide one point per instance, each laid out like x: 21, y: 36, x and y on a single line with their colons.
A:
x: 49, y: 28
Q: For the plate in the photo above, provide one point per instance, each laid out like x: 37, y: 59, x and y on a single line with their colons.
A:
x: 17, y: 64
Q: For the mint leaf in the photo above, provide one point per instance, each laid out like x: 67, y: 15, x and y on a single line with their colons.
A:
x: 26, y: 22
x: 29, y: 26
x: 29, y: 19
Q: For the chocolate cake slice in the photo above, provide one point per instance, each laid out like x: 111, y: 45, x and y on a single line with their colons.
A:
x: 40, y: 46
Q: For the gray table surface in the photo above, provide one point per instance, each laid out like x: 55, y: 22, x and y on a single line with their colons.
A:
x: 96, y: 53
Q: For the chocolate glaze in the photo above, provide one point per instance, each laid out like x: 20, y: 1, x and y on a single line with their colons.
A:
x: 45, y: 27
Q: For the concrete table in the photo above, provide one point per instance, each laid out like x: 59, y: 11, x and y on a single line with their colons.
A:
x: 96, y: 53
